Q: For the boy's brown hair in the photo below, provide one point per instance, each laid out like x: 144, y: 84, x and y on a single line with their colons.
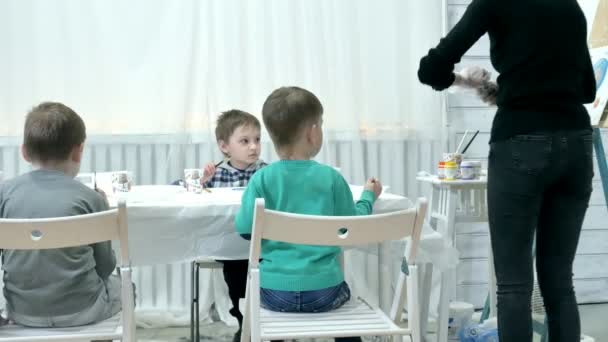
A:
x: 286, y: 110
x: 230, y: 120
x: 51, y: 131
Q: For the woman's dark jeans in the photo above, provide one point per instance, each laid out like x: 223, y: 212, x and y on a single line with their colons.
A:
x: 538, y: 183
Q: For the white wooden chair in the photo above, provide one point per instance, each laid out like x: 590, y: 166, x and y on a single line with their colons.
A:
x: 356, y: 318
x: 72, y: 231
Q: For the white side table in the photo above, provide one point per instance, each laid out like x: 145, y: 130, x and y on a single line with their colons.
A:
x: 452, y: 202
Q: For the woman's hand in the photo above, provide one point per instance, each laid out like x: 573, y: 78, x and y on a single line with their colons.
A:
x: 488, y: 92
x: 479, y: 79
x: 472, y: 77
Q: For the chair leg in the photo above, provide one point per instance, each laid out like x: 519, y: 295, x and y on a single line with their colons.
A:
x: 426, y: 283
x: 413, y: 305
x: 192, y: 299
x: 444, y: 306
x: 196, y: 291
x: 246, y: 329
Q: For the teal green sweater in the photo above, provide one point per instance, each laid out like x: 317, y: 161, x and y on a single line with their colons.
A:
x: 301, y: 187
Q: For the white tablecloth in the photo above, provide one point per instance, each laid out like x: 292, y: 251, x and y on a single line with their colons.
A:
x: 168, y: 224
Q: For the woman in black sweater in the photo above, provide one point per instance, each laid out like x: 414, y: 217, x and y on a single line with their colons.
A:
x: 540, y: 161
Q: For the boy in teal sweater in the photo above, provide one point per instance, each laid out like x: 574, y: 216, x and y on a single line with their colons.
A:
x: 300, y: 278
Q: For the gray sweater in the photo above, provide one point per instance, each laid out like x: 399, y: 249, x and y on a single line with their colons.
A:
x: 53, y: 282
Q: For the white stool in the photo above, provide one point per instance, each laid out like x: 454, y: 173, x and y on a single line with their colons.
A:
x: 452, y: 202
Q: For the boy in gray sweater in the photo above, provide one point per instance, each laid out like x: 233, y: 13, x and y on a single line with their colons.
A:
x: 56, y: 287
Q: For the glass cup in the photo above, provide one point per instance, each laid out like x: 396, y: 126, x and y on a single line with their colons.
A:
x: 192, y: 180
x: 454, y: 157
x: 122, y: 181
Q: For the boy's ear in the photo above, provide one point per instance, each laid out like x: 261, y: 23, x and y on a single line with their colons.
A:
x: 25, y: 155
x: 223, y: 146
x: 76, y: 155
x: 310, y: 133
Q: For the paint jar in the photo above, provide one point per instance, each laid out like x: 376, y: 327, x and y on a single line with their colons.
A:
x: 441, y: 170
x: 467, y: 170
x: 477, y: 167
x: 451, y: 170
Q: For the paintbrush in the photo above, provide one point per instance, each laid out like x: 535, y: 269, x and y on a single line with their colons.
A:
x: 470, y: 141
x: 462, y: 140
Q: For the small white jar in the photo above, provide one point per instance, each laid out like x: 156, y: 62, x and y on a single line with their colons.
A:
x: 477, y: 167
x: 467, y: 170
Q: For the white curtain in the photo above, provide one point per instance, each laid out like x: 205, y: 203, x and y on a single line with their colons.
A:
x: 154, y: 66
x: 149, y: 77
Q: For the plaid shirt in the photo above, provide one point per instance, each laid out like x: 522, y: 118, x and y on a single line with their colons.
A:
x: 227, y: 176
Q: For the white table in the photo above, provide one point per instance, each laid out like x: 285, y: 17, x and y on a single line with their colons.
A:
x: 169, y: 227
x: 452, y: 202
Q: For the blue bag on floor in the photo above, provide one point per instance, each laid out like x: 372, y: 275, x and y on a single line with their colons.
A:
x: 478, y: 333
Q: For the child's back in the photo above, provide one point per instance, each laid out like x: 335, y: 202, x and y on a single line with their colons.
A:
x: 52, y: 282
x: 66, y: 286
x: 302, y: 187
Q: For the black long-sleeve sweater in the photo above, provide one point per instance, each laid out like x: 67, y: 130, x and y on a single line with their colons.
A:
x: 539, y: 48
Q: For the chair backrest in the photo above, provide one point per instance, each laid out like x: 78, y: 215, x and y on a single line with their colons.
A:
x: 336, y: 230
x: 67, y: 231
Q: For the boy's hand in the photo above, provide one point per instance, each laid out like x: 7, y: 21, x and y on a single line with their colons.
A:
x: 374, y: 186
x: 208, y: 172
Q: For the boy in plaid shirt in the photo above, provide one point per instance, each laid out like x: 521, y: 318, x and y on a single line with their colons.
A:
x: 238, y: 137
x: 224, y: 175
